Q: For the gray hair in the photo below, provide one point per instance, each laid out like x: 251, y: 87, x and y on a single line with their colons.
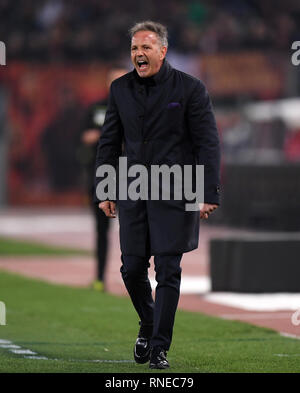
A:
x: 148, y: 25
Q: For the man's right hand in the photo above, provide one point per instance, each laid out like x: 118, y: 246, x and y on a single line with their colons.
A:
x: 109, y: 208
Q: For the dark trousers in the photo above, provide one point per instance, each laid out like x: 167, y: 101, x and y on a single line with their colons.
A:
x: 102, y: 226
x: 161, y: 313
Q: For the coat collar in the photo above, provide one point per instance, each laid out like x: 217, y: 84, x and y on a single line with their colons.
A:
x: 158, y: 78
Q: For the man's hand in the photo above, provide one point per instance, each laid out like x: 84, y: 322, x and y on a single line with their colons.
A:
x: 206, y: 209
x: 109, y: 208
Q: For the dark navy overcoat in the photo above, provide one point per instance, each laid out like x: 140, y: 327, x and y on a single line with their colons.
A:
x: 164, y: 119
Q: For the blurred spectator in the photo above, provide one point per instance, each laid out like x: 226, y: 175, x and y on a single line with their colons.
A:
x: 60, y: 143
x: 60, y: 30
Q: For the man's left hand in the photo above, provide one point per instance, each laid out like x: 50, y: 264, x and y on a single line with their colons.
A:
x: 206, y: 210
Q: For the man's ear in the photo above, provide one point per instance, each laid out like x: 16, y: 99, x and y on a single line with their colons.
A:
x: 163, y: 52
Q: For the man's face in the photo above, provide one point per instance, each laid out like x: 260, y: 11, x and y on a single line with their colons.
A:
x: 147, y: 53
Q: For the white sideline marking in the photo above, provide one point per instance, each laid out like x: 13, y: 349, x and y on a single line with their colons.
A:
x: 23, y: 352
x: 12, y: 346
x: 16, y: 349
x: 80, y: 360
x: 5, y: 342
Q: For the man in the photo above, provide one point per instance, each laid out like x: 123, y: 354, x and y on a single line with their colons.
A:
x: 91, y: 132
x: 164, y: 116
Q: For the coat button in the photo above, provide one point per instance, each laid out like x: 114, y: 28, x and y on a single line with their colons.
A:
x: 145, y: 142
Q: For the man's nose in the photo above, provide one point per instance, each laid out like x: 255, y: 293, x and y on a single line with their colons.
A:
x: 139, y: 53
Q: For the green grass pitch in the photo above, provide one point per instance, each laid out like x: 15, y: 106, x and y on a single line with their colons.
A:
x: 12, y: 247
x: 79, y: 330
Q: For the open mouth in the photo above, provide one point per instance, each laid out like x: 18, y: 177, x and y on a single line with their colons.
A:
x: 142, y: 64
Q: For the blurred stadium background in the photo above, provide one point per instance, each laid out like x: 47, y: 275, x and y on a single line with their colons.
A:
x: 58, y: 54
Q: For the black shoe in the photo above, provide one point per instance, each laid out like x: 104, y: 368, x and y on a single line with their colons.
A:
x: 158, y: 358
x: 142, y: 347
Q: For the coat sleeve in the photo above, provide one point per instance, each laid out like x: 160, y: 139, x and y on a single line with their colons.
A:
x: 110, y: 143
x: 205, y: 139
